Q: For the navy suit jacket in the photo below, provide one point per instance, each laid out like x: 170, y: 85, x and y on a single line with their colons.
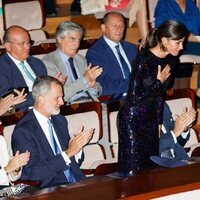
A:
x: 111, y: 79
x: 43, y: 165
x: 166, y: 139
x: 11, y: 77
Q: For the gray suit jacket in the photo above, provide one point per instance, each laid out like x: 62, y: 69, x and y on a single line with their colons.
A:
x: 55, y: 64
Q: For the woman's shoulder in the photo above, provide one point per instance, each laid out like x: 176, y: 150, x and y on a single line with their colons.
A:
x: 142, y: 57
x: 2, y: 139
x: 3, y: 143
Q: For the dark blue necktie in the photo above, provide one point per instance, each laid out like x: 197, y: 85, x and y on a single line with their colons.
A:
x: 123, y: 63
x: 73, y: 68
x: 69, y: 175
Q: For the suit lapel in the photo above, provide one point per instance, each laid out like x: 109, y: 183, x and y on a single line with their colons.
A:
x: 79, y: 64
x: 60, y: 133
x: 112, y: 59
x: 60, y: 64
x: 31, y: 65
x: 42, y: 138
x: 17, y: 74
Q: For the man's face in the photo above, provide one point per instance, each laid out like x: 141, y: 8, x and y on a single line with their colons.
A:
x: 53, y: 100
x: 19, y: 44
x: 114, y: 28
x: 70, y: 43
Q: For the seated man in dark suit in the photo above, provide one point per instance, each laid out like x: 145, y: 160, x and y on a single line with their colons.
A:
x: 175, y: 134
x: 81, y: 78
x: 44, y: 133
x: 17, y: 68
x: 114, y: 55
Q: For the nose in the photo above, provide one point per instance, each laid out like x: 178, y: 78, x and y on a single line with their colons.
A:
x: 61, y: 102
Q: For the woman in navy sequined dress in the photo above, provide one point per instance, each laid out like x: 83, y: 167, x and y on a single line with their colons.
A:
x: 141, y: 114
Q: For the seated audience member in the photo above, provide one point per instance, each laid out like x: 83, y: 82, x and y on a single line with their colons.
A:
x: 10, y: 167
x: 55, y: 158
x: 17, y: 68
x: 175, y: 134
x: 114, y: 55
x: 81, y: 79
x: 76, y: 7
x: 50, y: 8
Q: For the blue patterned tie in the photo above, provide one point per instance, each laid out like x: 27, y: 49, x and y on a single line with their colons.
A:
x: 123, y: 63
x: 26, y: 71
x: 70, y: 177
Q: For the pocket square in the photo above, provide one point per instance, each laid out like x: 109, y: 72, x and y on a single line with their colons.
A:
x: 167, y: 162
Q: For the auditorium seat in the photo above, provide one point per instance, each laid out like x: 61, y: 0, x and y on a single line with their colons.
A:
x: 8, y: 122
x: 28, y: 14
x: 112, y: 111
x: 88, y: 114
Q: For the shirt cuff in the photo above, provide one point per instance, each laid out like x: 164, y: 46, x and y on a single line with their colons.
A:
x: 184, y: 134
x: 93, y: 90
x: 78, y: 156
x: 4, y: 177
x: 66, y: 158
x: 174, y: 137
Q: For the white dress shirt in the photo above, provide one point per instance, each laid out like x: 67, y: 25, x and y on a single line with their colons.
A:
x: 43, y: 121
x: 112, y: 45
x: 26, y: 78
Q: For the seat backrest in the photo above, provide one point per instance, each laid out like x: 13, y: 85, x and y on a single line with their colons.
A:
x: 177, y: 102
x: 88, y: 114
x: 92, y: 154
x: 27, y: 14
x: 9, y: 122
x: 112, y: 110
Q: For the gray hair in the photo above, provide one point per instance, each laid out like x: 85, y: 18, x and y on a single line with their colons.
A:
x: 42, y: 86
x: 65, y: 27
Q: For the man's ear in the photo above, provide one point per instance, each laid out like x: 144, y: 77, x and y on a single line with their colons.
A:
x: 103, y: 28
x: 7, y: 46
x: 59, y: 40
x: 40, y: 98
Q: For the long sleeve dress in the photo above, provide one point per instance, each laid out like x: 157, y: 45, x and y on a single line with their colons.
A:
x: 140, y: 115
x: 4, y: 159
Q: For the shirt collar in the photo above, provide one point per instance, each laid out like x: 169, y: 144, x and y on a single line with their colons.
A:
x: 39, y: 116
x: 63, y: 56
x: 110, y: 43
x: 17, y: 62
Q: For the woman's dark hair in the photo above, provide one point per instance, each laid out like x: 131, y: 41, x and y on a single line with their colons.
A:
x: 170, y: 29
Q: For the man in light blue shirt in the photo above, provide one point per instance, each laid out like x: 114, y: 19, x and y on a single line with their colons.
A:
x: 81, y: 78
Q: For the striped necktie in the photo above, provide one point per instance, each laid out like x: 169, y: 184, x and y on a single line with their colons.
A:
x: 69, y: 175
x: 26, y: 71
x: 124, y: 65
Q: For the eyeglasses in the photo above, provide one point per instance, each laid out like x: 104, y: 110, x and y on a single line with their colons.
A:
x: 116, y: 27
x: 22, y: 44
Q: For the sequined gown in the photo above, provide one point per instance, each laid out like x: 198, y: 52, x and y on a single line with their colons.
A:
x: 140, y: 115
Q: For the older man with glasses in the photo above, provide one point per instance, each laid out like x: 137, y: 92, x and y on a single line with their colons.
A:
x: 17, y: 68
